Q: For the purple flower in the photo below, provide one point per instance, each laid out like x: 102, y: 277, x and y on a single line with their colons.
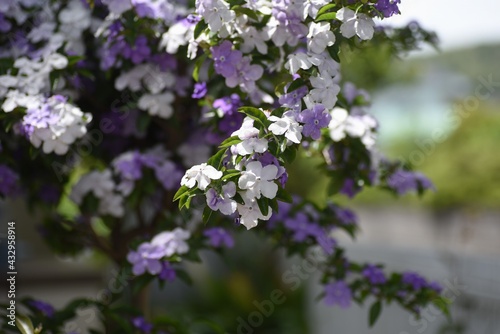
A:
x: 5, y: 25
x: 229, y: 104
x: 168, y: 175
x: 223, y: 201
x: 129, y: 166
x: 193, y: 19
x: 405, y: 181
x: 388, y: 7
x: 374, y: 274
x: 414, y: 279
x: 167, y: 272
x: 8, y: 181
x: 200, y: 90
x: 47, y: 309
x: 41, y: 117
x: 314, y: 120
x: 325, y: 241
x: 244, y: 75
x: 141, y: 324
x: 293, y: 99
x: 349, y: 188
x: 345, y: 216
x: 146, y: 258
x: 138, y: 52
x: 165, y: 61
x: 219, y: 237
x: 338, y: 293
x: 226, y: 59
x: 435, y: 286
x: 302, y: 227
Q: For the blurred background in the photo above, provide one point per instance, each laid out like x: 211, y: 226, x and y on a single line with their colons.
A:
x: 438, y: 110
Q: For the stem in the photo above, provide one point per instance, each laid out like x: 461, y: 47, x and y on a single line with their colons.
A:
x: 141, y: 300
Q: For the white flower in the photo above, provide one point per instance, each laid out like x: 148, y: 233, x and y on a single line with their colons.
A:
x: 287, y: 126
x: 157, y: 104
x: 102, y: 186
x: 311, y: 7
x: 215, y: 12
x: 298, y: 61
x: 337, y: 123
x: 178, y: 34
x: 118, y: 6
x: 252, y: 38
x: 201, y: 174
x: 325, y: 92
x: 250, y: 213
x: 173, y: 242
x: 247, y: 130
x: 355, y: 24
x: 343, y: 124
x: 258, y: 180
x: 320, y: 37
x: 251, y: 145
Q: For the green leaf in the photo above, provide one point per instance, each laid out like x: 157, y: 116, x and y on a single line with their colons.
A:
x: 255, y: 114
x: 183, y: 191
x: 283, y: 195
x: 24, y: 324
x: 442, y: 304
x: 296, y: 84
x: 141, y: 282
x: 200, y: 27
x: 263, y: 205
x: 231, y: 173
x: 326, y: 17
x: 216, y: 160
x: 197, y: 66
x: 289, y: 154
x: 375, y: 310
x: 230, y: 142
x: 207, y: 212
x: 325, y: 9
x: 247, y: 11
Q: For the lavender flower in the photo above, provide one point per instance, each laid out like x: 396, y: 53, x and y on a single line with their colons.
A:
x: 314, y: 120
x: 388, y: 7
x: 374, y: 274
x: 46, y: 309
x: 146, y: 258
x: 200, y: 90
x: 8, y: 181
x: 222, y: 202
x: 226, y: 59
x: 141, y: 324
x: 414, y: 279
x: 301, y: 227
x: 219, y: 237
x: 338, y: 293
x: 167, y: 272
x: 405, y: 181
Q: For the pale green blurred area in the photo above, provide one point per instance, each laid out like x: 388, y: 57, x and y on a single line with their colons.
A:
x: 437, y: 114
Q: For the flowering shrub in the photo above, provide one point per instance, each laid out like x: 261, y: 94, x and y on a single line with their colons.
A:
x: 113, y: 110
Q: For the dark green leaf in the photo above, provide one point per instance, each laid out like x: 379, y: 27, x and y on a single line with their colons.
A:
x: 197, y: 66
x: 263, y: 205
x: 207, y: 212
x: 283, y: 195
x: 296, y: 84
x: 375, y: 310
x: 200, y: 27
x: 247, y: 11
x: 230, y: 142
x: 255, y: 114
x: 216, y: 160
x: 141, y: 282
x: 289, y: 154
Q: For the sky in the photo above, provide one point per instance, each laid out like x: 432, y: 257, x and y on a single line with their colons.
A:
x: 458, y: 23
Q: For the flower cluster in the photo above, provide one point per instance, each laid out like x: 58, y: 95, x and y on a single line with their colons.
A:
x: 123, y: 101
